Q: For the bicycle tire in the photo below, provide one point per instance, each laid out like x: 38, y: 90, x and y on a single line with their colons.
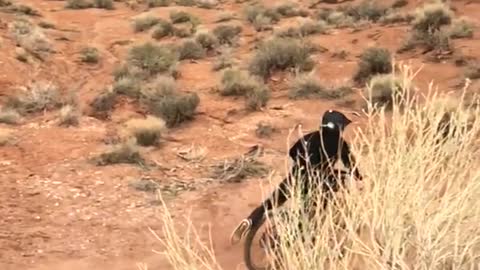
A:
x: 247, y: 248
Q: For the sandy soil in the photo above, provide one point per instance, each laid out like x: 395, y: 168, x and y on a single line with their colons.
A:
x: 59, y: 211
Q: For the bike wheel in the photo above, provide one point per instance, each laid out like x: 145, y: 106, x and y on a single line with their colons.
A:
x: 250, y: 249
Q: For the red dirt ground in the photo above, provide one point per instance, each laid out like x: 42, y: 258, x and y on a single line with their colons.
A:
x: 58, y: 211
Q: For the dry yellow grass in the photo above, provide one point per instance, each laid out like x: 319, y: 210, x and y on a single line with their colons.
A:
x: 418, y: 209
x: 147, y: 131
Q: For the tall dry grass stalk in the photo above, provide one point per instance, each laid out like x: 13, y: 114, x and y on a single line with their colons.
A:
x: 419, y: 207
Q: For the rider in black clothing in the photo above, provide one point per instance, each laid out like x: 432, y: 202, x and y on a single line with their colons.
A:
x: 318, y: 151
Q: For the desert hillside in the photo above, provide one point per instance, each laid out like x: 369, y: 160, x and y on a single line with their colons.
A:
x: 103, y: 103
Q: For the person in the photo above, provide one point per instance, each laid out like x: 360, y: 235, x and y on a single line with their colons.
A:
x: 318, y: 152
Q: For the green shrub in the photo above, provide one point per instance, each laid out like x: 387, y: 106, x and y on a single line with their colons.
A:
x: 9, y: 116
x: 280, y: 54
x: 163, y: 29
x: 34, y: 98
x: 190, y: 49
x: 186, y: 3
x: 127, y: 85
x: 383, y: 88
x: 306, y: 86
x: 144, y: 23
x: 158, y: 3
x: 180, y: 16
x: 163, y: 100
x: 237, y: 83
x: 89, y: 55
x: 152, y: 58
x: 207, y: 40
x: 431, y: 17
x: 124, y: 152
x: 103, y: 103
x: 226, y: 34
x: 366, y: 10
x: 69, y: 116
x: 105, y: 4
x: 373, y: 61
x: 461, y: 28
x: 78, y: 4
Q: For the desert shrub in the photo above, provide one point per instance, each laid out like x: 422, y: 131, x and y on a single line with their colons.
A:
x: 308, y: 27
x: 160, y: 86
x: 224, y: 60
x: 366, y: 10
x: 127, y: 85
x: 431, y: 17
x: 163, y: 100
x: 9, y: 116
x: 144, y: 23
x: 103, y: 103
x: 22, y: 9
x: 207, y: 40
x: 339, y: 19
x: 180, y: 16
x: 69, y: 115
x: 257, y: 98
x: 473, y: 71
x: 238, y: 83
x: 162, y: 29
x: 373, y: 61
x: 399, y: 3
x: 126, y: 70
x: 5, y: 3
x: 207, y: 3
x: 264, y: 129
x: 89, y: 55
x: 158, y: 3
x: 306, y: 86
x: 191, y: 49
x: 185, y: 3
x: 30, y: 37
x: 280, y: 54
x: 253, y: 11
x: 226, y: 34
x: 428, y: 28
x: 290, y: 10
x: 46, y: 25
x: 396, y: 17
x: 123, y: 152
x: 35, y: 97
x: 183, y: 31
x: 105, y: 4
x: 383, y: 88
x: 151, y: 58
x: 176, y: 108
x: 147, y: 131
x: 461, y: 28
x: 78, y: 4
x: 262, y: 23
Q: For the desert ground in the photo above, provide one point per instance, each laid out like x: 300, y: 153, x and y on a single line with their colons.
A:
x: 64, y: 205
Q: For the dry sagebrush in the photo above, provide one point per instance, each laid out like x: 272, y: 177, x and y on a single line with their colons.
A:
x: 418, y: 209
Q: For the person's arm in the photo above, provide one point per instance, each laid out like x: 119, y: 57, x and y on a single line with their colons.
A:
x: 278, y: 197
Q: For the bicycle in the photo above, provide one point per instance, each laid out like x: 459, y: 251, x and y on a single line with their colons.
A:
x: 330, y: 186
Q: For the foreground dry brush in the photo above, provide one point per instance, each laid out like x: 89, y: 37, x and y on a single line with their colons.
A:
x: 418, y: 209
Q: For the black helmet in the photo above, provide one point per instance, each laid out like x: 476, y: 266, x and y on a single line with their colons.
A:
x: 335, y: 120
